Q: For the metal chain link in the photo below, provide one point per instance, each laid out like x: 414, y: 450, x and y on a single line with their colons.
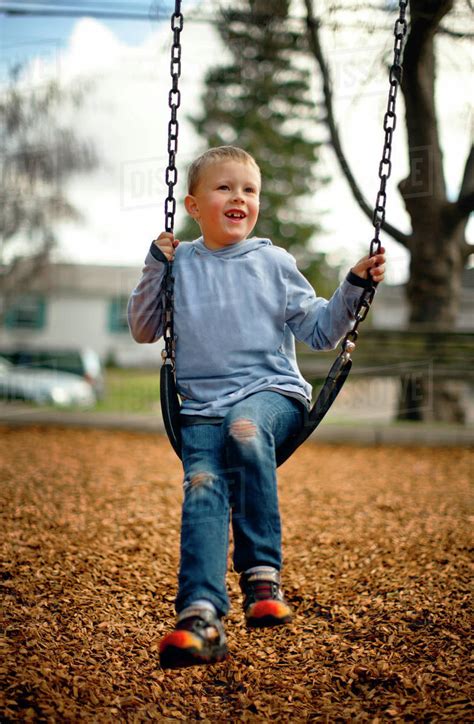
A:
x: 385, y: 169
x: 171, y: 177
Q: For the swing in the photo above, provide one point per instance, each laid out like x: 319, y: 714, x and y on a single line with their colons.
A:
x: 170, y: 403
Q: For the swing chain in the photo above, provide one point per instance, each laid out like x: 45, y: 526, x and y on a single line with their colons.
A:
x: 385, y: 169
x: 174, y: 101
x: 168, y: 353
x: 389, y: 124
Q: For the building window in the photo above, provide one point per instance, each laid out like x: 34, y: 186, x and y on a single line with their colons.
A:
x: 118, y: 314
x: 26, y: 312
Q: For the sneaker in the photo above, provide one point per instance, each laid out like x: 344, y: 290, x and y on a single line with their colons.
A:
x: 264, y: 604
x: 198, y: 638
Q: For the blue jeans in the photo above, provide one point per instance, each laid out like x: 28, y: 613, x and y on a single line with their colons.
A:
x: 230, y: 474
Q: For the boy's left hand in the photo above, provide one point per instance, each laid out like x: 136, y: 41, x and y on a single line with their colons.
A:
x: 373, y: 265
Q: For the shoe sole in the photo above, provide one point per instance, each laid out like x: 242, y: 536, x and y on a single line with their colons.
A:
x: 264, y: 614
x: 268, y: 621
x: 174, y: 657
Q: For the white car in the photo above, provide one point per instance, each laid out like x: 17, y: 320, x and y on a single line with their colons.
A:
x: 44, y: 387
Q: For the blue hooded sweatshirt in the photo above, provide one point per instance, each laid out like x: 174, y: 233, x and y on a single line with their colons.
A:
x: 237, y: 312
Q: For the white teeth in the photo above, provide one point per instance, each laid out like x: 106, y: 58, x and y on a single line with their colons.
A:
x: 231, y: 215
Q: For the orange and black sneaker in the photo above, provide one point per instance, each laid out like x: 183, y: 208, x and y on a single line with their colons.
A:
x: 198, y: 638
x: 264, y: 604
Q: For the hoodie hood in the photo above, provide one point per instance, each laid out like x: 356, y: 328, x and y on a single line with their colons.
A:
x: 234, y: 250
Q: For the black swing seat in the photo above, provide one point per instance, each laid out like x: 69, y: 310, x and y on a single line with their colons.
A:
x: 170, y: 407
x: 329, y: 391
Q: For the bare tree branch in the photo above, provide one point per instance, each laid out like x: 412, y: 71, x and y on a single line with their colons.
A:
x: 313, y: 25
x: 467, y: 250
x: 465, y: 202
x: 455, y: 33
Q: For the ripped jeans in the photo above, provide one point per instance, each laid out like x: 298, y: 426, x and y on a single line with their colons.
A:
x: 230, y: 474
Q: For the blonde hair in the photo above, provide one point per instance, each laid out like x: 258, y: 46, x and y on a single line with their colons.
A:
x: 217, y: 155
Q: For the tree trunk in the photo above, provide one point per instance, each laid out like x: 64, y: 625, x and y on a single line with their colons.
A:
x: 437, y: 241
x: 433, y: 293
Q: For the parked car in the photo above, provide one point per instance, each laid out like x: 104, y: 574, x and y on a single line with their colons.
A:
x: 44, y: 387
x: 82, y: 362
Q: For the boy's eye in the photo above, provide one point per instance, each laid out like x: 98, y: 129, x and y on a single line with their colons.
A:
x: 223, y: 187
x: 250, y: 190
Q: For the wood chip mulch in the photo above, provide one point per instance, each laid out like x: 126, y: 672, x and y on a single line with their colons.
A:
x: 376, y: 544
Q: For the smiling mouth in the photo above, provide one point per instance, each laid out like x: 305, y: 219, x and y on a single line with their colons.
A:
x: 235, y: 215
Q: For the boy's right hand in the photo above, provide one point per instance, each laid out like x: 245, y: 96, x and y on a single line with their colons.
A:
x: 166, y: 243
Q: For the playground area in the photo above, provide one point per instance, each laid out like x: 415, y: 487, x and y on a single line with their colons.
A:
x: 376, y: 545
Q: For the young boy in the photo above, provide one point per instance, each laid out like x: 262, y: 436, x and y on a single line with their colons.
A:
x: 239, y: 303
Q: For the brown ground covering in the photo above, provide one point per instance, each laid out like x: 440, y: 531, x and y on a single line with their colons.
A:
x: 376, y: 567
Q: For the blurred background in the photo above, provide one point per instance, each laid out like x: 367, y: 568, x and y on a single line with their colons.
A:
x: 84, y: 120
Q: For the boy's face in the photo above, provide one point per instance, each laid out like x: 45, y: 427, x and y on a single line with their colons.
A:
x: 225, y: 202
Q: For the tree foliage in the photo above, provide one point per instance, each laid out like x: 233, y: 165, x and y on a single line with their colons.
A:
x: 259, y: 98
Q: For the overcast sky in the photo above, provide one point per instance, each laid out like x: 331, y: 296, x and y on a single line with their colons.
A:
x: 126, y: 116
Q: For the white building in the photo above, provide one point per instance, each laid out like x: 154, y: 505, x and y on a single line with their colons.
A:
x: 78, y: 306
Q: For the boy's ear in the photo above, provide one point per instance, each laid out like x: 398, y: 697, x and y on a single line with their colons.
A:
x: 191, y: 206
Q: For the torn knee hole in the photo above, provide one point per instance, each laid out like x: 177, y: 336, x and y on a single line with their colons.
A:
x: 196, y: 481
x: 243, y: 430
